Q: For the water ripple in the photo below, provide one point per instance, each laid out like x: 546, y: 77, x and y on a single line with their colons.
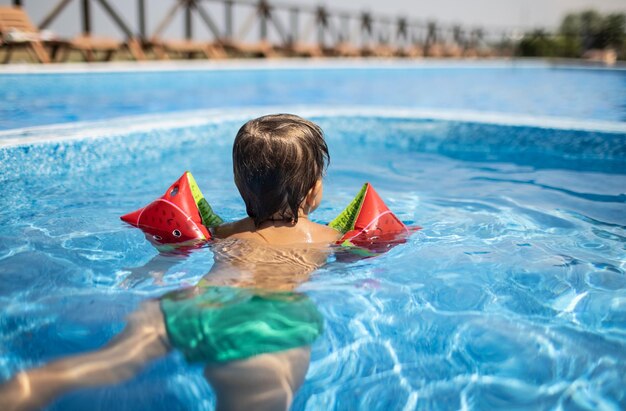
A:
x: 511, y: 296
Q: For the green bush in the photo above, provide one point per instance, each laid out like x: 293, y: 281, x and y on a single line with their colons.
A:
x: 578, y: 33
x: 537, y: 44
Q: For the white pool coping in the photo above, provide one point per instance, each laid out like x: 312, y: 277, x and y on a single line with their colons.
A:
x: 121, y: 126
x: 299, y: 64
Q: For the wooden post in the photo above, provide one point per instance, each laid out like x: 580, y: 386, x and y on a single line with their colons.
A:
x: 86, y: 17
x: 141, y: 10
x: 322, y: 23
x: 344, y: 28
x: 116, y: 18
x: 457, y: 36
x: 366, y: 28
x: 334, y: 33
x: 294, y: 15
x: 431, y: 37
x: 228, y: 19
x: 206, y: 17
x: 188, y: 20
x: 53, y: 14
x: 168, y: 18
x: 402, y: 32
x: 263, y: 11
x: 279, y: 27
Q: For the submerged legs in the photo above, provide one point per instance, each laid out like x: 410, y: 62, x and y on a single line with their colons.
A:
x: 142, y: 341
x: 263, y: 382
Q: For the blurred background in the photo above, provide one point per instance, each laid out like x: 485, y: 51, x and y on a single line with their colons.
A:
x: 590, y: 29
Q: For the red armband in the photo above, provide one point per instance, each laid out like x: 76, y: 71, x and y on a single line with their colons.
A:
x: 367, y: 221
x: 180, y: 216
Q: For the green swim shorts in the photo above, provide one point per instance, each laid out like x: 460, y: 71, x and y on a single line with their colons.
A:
x: 219, y: 324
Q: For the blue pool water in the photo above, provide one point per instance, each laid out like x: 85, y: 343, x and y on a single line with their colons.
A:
x: 513, y: 296
x: 518, y: 87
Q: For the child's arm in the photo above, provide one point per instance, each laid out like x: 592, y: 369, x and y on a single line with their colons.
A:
x: 155, y: 269
x: 143, y: 340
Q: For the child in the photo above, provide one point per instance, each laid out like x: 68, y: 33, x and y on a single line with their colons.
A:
x: 243, y: 319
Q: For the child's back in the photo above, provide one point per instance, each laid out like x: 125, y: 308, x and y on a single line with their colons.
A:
x: 275, y: 256
x: 278, y: 164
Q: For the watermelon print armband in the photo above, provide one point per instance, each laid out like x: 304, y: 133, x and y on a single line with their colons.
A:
x: 180, y: 217
x: 368, y: 225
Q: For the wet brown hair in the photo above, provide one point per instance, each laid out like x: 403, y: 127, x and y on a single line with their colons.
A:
x: 277, y: 159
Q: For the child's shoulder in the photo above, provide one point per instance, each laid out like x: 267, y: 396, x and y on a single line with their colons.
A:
x: 324, y: 233
x: 233, y: 228
x: 304, y: 232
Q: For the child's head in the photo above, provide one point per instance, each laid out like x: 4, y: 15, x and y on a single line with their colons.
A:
x: 278, y: 160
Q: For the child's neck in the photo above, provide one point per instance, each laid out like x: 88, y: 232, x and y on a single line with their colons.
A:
x: 278, y: 218
x: 277, y: 221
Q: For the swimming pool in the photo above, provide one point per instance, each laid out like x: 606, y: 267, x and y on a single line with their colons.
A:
x: 512, y: 296
x: 66, y: 94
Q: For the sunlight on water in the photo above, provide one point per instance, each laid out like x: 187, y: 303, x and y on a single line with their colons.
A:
x: 512, y: 295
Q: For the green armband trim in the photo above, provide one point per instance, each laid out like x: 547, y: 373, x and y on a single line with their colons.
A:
x: 209, y: 218
x: 344, y: 222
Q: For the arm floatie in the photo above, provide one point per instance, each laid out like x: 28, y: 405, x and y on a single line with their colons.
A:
x: 181, y: 216
x: 367, y: 221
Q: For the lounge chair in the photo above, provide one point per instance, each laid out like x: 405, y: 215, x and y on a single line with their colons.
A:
x: 90, y: 46
x: 346, y: 49
x: 303, y: 50
x: 434, y: 50
x: 135, y: 48
x: 378, y: 50
x: 411, y: 51
x: 259, y: 49
x: 452, y: 50
x: 17, y: 31
x: 162, y: 49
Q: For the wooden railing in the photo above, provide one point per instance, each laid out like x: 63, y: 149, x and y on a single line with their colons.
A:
x: 292, y: 26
